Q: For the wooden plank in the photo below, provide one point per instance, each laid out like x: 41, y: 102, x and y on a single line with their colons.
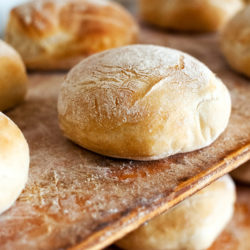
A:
x: 78, y: 199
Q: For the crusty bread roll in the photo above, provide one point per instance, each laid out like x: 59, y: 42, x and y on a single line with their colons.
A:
x: 142, y: 102
x: 191, y: 15
x: 235, y: 42
x: 191, y: 225
x: 13, y: 79
x: 242, y: 173
x: 56, y: 34
x: 14, y: 162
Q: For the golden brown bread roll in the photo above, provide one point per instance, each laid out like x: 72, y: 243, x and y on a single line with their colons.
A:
x: 191, y: 225
x: 191, y: 15
x: 142, y: 102
x: 56, y: 34
x: 242, y: 173
x: 13, y: 79
x: 14, y: 162
x: 235, y: 42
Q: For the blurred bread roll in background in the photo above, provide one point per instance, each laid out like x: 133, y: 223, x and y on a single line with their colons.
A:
x: 142, y: 102
x: 191, y: 15
x: 235, y: 41
x: 193, y: 224
x: 14, y: 162
x: 13, y: 79
x: 57, y: 34
x: 242, y: 173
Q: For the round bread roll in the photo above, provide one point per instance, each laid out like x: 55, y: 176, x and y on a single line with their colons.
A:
x: 235, y: 42
x: 191, y: 15
x: 193, y: 224
x: 14, y: 162
x: 242, y: 173
x: 57, y: 34
x: 13, y: 79
x: 142, y: 102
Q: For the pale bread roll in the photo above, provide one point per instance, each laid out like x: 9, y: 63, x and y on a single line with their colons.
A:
x: 191, y: 15
x: 13, y: 79
x: 242, y: 173
x: 14, y: 162
x: 142, y: 102
x: 235, y: 42
x: 57, y: 34
x: 193, y: 224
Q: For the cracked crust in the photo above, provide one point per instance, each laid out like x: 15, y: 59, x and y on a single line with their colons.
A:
x: 14, y: 162
x: 142, y: 102
x: 58, y: 34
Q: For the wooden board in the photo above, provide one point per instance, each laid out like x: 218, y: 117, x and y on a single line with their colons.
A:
x: 78, y: 199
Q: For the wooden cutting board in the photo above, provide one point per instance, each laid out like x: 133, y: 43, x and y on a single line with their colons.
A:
x: 81, y: 200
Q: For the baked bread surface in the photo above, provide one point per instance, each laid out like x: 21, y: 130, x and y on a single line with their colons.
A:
x: 57, y: 34
x: 235, y: 42
x: 193, y: 224
x: 142, y: 102
x: 14, y: 162
x: 13, y: 78
x: 191, y: 15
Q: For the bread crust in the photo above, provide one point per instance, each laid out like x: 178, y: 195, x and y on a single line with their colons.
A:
x: 235, y: 42
x: 191, y: 15
x: 56, y: 34
x: 13, y: 78
x: 14, y: 162
x: 142, y: 102
x: 193, y: 224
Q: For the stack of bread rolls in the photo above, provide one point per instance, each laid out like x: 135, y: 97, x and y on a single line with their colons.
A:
x: 138, y: 102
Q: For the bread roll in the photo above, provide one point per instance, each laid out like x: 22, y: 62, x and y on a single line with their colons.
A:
x: 56, y: 34
x: 191, y: 225
x: 13, y: 79
x: 242, y: 173
x: 14, y: 162
x: 235, y: 42
x: 142, y: 102
x: 191, y: 15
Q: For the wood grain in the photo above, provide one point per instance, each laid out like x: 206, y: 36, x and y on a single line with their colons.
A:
x: 81, y: 200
